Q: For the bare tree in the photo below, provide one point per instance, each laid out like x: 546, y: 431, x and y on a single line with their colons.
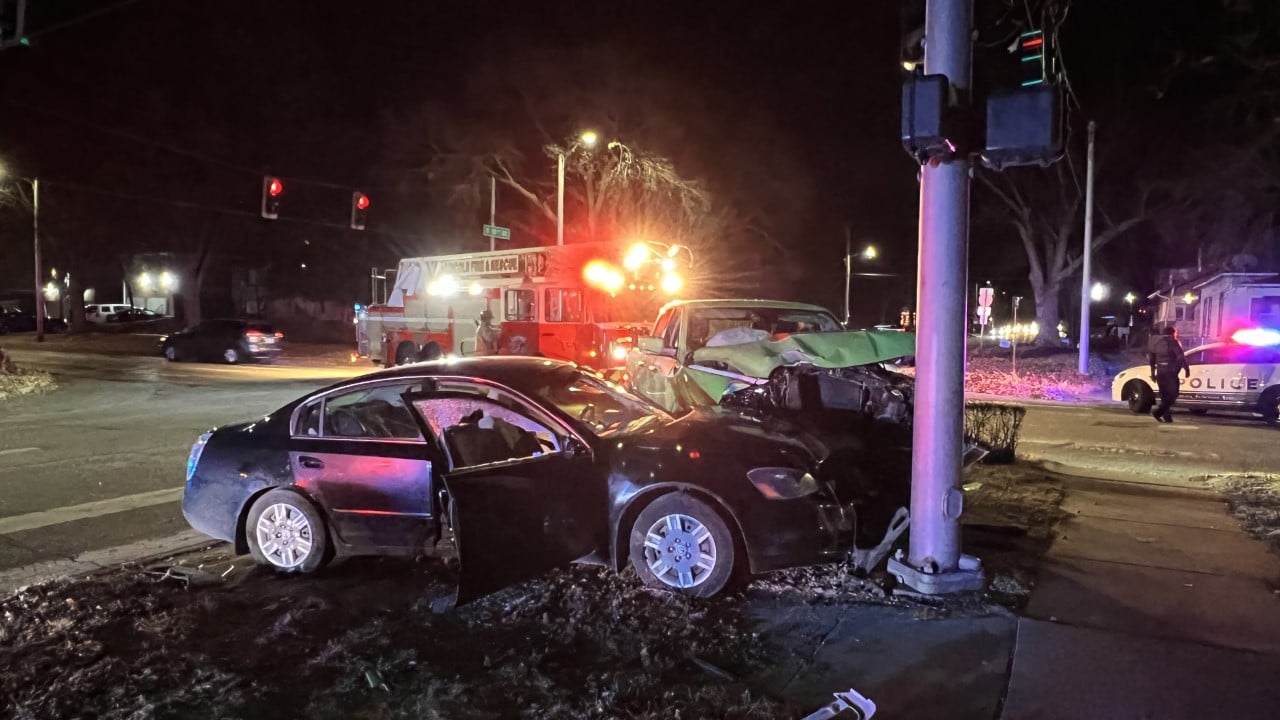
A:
x: 1044, y: 207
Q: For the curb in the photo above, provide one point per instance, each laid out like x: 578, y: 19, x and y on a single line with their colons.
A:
x: 99, y: 562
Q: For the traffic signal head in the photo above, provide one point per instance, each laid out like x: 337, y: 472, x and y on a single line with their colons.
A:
x: 1035, y: 59
x: 272, y: 189
x: 359, y: 209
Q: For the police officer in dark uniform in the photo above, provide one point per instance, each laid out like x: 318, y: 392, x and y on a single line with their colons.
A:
x: 1166, y: 358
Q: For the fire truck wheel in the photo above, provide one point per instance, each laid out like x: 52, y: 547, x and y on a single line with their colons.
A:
x: 405, y: 352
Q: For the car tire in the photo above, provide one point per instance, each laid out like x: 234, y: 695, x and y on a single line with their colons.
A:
x: 231, y: 356
x: 171, y: 354
x: 1139, y: 397
x: 286, y: 532
x: 681, y: 544
x: 405, y: 352
x: 1269, y: 405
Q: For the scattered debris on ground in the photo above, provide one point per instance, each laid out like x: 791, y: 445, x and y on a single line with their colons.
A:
x: 16, y: 381
x: 1254, y: 500
x: 207, y: 636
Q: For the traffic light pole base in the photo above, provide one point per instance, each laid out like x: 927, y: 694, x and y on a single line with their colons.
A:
x: 967, y: 577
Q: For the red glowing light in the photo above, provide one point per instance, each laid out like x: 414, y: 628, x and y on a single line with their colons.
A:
x: 1034, y: 42
x: 694, y: 454
x: 362, y: 201
x: 275, y: 187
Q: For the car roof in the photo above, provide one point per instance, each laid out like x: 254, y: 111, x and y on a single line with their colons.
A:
x: 519, y: 372
x: 747, y: 303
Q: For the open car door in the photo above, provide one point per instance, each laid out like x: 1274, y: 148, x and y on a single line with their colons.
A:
x: 525, y: 495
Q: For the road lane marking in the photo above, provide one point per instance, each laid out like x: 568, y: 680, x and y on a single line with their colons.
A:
x: 57, y: 516
x: 85, y: 563
x: 15, y: 451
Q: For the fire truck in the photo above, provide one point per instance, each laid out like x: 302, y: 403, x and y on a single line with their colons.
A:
x: 585, y: 303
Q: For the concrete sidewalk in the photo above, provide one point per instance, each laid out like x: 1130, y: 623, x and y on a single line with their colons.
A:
x: 1151, y: 603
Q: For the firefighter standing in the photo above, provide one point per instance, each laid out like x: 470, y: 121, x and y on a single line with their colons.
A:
x: 1166, y: 358
x: 487, y: 336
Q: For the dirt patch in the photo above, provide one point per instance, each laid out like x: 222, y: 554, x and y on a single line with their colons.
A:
x: 361, y: 641
x: 1009, y: 516
x: 16, y: 381
x: 1254, y: 500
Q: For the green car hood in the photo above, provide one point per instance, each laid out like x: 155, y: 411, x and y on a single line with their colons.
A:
x: 826, y: 350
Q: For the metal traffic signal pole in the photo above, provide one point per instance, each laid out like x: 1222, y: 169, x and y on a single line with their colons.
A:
x: 934, y: 563
x: 1086, y: 268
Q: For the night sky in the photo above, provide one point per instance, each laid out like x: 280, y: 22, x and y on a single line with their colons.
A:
x: 306, y: 90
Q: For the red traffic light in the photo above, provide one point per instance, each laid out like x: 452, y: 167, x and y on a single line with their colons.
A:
x: 275, y: 187
x: 362, y: 201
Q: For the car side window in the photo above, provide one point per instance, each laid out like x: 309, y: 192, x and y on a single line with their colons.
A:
x: 308, y: 422
x: 374, y: 413
x: 479, y: 431
x: 672, y: 334
x: 660, y: 327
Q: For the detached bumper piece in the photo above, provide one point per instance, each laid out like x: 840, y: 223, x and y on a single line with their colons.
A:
x: 864, y: 389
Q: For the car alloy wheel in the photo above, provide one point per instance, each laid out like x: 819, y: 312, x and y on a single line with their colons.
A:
x: 680, y: 543
x: 231, y: 355
x: 171, y: 353
x: 286, y: 532
x: 285, y: 536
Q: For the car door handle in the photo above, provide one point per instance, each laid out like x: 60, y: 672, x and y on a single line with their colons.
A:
x: 307, y: 461
x: 548, y: 334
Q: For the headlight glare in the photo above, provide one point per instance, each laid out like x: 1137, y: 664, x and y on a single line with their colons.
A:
x: 193, y: 459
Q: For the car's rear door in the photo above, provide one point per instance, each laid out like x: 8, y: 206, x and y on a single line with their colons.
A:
x: 525, y: 494
x: 361, y: 452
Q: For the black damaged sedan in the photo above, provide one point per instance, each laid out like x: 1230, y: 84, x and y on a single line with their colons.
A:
x: 515, y: 465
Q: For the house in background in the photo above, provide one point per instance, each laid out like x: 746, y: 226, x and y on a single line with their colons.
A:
x: 1207, y: 306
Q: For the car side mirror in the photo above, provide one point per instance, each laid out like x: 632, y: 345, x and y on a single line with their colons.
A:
x: 649, y: 344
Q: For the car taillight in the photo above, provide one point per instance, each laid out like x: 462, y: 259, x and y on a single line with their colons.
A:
x: 279, y: 336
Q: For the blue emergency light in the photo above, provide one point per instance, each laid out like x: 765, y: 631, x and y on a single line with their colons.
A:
x: 1261, y: 337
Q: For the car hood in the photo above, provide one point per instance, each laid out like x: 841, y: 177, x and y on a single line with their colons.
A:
x: 758, y: 359
x: 729, y: 433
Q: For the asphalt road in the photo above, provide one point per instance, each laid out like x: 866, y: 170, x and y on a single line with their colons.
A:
x: 99, y: 463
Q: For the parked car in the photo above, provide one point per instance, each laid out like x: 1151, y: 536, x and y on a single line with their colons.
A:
x: 231, y: 341
x: 135, y: 315
x: 99, y: 313
x: 14, y: 320
x: 1240, y: 375
x: 518, y: 465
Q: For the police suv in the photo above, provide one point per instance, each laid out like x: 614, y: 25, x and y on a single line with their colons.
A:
x: 1242, y: 375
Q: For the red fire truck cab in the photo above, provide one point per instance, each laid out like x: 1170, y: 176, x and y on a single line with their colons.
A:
x: 570, y: 302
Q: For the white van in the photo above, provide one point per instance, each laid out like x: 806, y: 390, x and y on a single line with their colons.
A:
x: 100, y: 312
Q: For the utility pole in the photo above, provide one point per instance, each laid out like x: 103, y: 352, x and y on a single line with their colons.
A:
x: 1086, y: 270
x: 493, y: 209
x: 934, y: 563
x: 35, y: 242
x: 848, y: 272
x: 560, y: 198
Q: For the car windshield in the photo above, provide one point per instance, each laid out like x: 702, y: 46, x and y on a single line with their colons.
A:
x: 603, y: 407
x: 706, y: 323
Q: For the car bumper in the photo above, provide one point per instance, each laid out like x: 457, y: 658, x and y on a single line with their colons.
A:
x: 264, y: 353
x: 213, y: 508
x: 801, y: 532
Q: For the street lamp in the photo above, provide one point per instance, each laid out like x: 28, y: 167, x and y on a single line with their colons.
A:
x: 587, y: 138
x: 1129, y: 298
x: 1099, y: 292
x: 35, y: 244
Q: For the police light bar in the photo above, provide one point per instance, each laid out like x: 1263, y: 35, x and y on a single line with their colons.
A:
x: 1256, y: 336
